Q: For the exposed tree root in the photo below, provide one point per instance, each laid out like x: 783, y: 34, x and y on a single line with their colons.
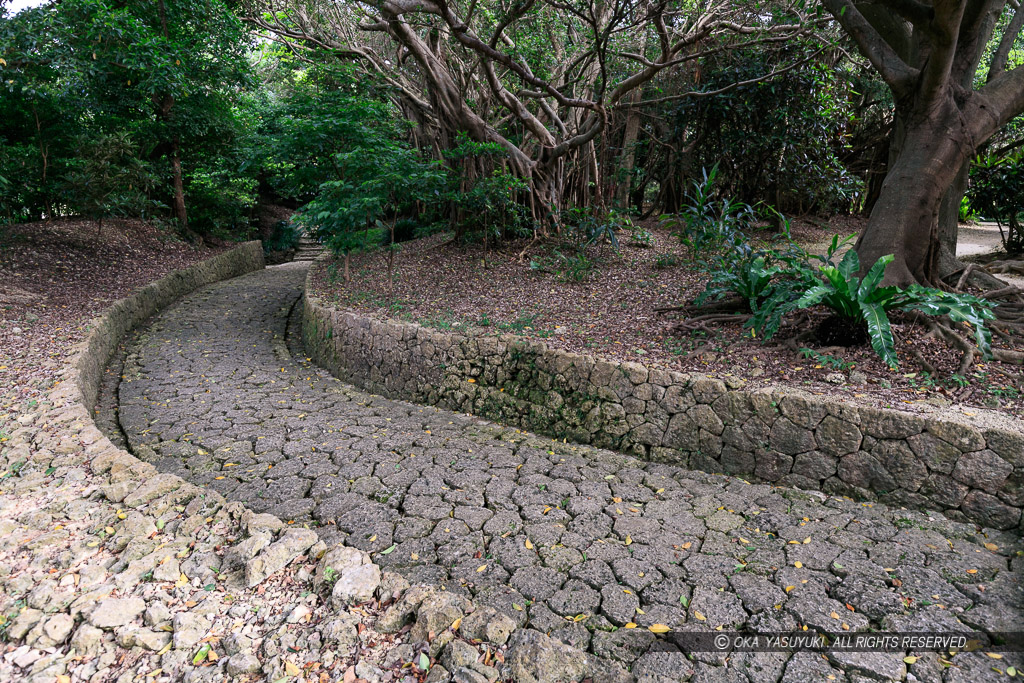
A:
x: 955, y: 339
x: 1015, y: 267
x: 728, y: 305
x: 701, y: 322
x: 925, y: 365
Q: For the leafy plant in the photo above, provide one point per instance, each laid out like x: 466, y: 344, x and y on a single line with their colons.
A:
x: 707, y: 224
x: 584, y: 228
x: 750, y: 277
x: 641, y: 237
x: 575, y: 267
x: 997, y: 191
x: 865, y: 301
x: 827, y: 360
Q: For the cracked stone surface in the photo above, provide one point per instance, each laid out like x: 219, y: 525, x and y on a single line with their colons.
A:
x: 571, y: 540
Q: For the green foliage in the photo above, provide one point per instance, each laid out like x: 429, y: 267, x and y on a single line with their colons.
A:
x: 375, y: 187
x: 574, y: 267
x: 996, y: 191
x: 750, y: 275
x: 484, y: 198
x: 708, y: 223
x: 283, y: 237
x: 867, y: 301
x: 221, y: 202
x: 108, y: 179
x: 774, y: 282
x: 641, y: 237
x: 583, y: 228
x: 85, y: 74
x: 826, y: 360
x: 782, y: 140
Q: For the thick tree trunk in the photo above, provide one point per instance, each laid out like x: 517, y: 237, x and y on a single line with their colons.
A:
x: 905, y: 219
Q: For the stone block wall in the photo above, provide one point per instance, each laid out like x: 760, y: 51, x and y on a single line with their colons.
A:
x: 784, y: 437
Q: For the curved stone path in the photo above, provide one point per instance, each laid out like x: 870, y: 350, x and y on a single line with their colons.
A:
x: 573, y: 540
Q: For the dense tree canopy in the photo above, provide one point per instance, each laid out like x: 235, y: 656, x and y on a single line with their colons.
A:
x: 531, y: 109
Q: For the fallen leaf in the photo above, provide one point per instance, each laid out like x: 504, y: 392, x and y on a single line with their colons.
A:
x: 699, y: 616
x: 529, y: 545
x: 481, y: 568
x: 630, y: 625
x: 658, y: 628
x: 798, y: 564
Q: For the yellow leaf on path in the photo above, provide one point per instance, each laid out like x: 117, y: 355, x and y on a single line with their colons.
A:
x: 218, y: 478
x: 627, y: 591
x: 834, y: 615
x: 413, y: 556
x: 789, y: 588
x: 686, y: 546
x: 92, y: 544
x: 529, y: 546
x: 807, y: 540
x: 972, y: 571
x: 373, y: 538
x: 211, y: 656
x: 992, y: 546
x: 798, y: 564
x: 629, y: 539
x: 481, y: 568
x: 640, y: 611
x: 580, y: 617
x: 291, y: 669
x: 109, y: 529
x: 700, y: 617
x: 658, y: 628
x: 993, y: 655
x: 202, y: 452
x: 456, y: 624
x: 182, y: 581
x: 630, y: 625
x: 910, y: 660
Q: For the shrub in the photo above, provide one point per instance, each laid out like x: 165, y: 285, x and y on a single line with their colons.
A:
x: 707, y: 224
x: 997, y: 191
x: 865, y: 302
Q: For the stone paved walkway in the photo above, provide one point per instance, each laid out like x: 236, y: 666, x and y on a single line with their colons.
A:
x: 572, y: 540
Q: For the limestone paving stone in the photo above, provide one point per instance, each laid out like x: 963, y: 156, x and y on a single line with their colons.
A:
x: 571, y: 540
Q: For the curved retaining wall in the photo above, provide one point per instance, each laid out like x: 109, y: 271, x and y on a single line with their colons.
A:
x: 789, y: 438
x: 85, y: 370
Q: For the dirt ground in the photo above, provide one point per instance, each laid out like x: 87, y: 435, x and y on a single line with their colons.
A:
x: 612, y: 312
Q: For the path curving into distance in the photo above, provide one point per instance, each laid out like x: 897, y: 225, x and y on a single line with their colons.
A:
x: 572, y: 540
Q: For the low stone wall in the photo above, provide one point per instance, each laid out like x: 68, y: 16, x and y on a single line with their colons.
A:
x: 788, y: 438
x: 107, y: 331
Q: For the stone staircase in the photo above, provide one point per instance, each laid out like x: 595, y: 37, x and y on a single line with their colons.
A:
x: 308, y: 249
